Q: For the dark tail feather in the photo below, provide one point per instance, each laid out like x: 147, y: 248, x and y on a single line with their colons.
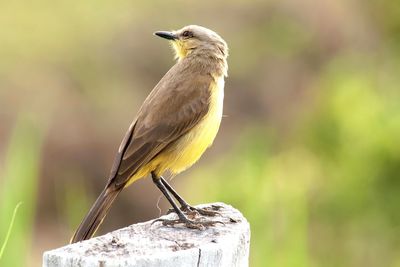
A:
x: 95, y: 216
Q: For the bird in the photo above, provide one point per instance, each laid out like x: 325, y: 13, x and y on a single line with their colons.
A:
x: 176, y: 123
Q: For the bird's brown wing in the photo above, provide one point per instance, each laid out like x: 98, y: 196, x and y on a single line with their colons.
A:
x: 174, y: 107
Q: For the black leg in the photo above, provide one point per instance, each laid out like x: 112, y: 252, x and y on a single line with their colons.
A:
x: 181, y: 201
x: 182, y: 218
x: 163, y: 189
x: 184, y: 205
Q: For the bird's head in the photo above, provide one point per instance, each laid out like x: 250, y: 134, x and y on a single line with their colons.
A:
x: 195, y: 39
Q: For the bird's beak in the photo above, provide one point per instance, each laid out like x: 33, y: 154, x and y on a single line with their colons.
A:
x: 166, y: 35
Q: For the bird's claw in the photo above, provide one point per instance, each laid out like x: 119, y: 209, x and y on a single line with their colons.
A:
x: 190, y: 210
x: 200, y: 225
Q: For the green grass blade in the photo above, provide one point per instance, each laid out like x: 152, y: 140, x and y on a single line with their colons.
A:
x: 9, y: 229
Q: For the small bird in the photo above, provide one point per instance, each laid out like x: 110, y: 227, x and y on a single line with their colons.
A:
x: 176, y: 123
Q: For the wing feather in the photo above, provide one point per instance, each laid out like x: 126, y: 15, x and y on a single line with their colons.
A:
x: 174, y: 107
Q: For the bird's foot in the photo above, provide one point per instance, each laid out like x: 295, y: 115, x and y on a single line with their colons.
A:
x: 200, y: 225
x: 208, y: 211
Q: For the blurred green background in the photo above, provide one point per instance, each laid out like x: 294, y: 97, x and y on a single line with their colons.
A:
x: 308, y: 150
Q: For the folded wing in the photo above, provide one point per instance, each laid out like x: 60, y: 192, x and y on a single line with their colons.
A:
x: 170, y: 111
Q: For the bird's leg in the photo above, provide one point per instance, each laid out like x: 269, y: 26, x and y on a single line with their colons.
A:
x: 182, y: 218
x: 185, y: 206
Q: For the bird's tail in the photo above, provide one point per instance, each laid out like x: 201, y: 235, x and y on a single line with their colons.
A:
x: 95, y: 216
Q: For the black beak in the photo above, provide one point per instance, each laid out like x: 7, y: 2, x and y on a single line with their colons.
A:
x: 166, y: 35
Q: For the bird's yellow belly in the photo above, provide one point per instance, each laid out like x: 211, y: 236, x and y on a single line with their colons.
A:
x: 189, y: 148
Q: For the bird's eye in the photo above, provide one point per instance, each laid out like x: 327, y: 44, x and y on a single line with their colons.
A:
x: 187, y: 34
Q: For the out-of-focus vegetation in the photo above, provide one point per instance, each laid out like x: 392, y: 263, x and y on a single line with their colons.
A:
x: 9, y: 230
x: 309, y: 149
x: 328, y: 193
x: 19, y: 184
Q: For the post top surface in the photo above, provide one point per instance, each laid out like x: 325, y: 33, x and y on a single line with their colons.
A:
x: 146, y: 240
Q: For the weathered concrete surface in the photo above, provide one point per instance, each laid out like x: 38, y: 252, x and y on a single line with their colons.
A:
x: 149, y: 245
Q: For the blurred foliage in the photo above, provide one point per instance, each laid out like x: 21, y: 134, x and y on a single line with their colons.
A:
x: 308, y: 149
x: 9, y: 230
x: 19, y: 185
x: 329, y: 194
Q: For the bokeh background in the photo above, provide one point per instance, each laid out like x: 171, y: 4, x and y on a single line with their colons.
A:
x: 308, y: 149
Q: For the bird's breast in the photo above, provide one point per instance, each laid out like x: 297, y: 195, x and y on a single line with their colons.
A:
x: 191, y: 146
